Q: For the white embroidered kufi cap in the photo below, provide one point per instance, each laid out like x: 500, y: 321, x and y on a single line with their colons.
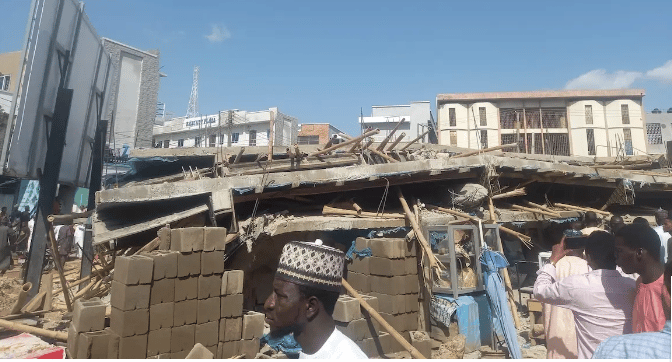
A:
x: 312, y: 265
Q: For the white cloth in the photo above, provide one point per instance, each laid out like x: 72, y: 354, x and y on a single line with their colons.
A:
x: 337, y: 346
x: 664, y: 237
x: 31, y: 226
x: 589, y: 230
x: 79, y: 239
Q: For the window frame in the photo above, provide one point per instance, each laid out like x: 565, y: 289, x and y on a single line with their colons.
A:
x: 589, y: 113
x: 483, y: 116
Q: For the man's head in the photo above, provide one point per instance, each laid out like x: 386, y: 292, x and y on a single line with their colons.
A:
x: 615, y: 223
x: 640, y: 221
x: 306, y: 287
x: 601, y: 250
x: 667, y: 222
x: 637, y: 248
x: 590, y: 219
x: 660, y: 216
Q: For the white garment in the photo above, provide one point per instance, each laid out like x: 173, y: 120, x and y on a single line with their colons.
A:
x: 79, y: 239
x: 664, y: 237
x: 589, y: 230
x: 337, y: 346
x: 31, y: 226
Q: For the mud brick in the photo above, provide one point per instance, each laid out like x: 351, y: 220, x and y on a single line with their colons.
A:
x: 134, y: 269
x: 200, y: 352
x: 410, y: 249
x: 346, y: 309
x: 387, y: 285
x: 73, y: 338
x: 186, y: 288
x: 392, y: 345
x: 387, y: 267
x: 180, y: 354
x: 411, y: 321
x: 207, y: 333
x: 164, y: 236
x: 208, y: 310
x: 361, y: 243
x: 133, y: 347
x: 234, y: 282
x: 212, y: 262
x: 392, y: 304
x: 412, y: 303
x: 185, y: 312
x: 212, y: 349
x: 160, y: 356
x: 227, y: 350
x: 249, y: 348
x: 359, y: 265
x: 376, y: 346
x: 93, y: 344
x: 388, y: 247
x: 182, y: 338
x: 113, y: 346
x: 129, y: 297
x: 412, y: 284
x: 129, y: 323
x: 439, y: 332
x: 360, y: 282
x: 209, y: 286
x: 162, y: 291
x: 397, y: 321
x: 411, y: 266
x: 253, y: 325
x: 189, y: 264
x: 165, y: 263
x: 230, y: 329
x: 214, y: 239
x: 158, y: 341
x: 231, y: 306
x: 89, y: 315
x: 161, y: 316
x: 186, y: 239
x: 343, y: 328
x: 370, y: 300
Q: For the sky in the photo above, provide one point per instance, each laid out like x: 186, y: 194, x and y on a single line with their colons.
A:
x: 324, y: 61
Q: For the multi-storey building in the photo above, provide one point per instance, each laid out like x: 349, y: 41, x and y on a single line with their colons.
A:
x: 228, y: 128
x: 658, y: 131
x: 417, y: 115
x: 317, y: 133
x: 567, y: 122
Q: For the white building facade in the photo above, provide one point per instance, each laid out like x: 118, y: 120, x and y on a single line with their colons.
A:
x: 228, y: 128
x: 417, y: 115
x: 603, y: 123
x: 658, y: 131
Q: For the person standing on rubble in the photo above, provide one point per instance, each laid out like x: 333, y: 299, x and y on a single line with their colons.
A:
x: 306, y: 287
x: 590, y: 223
x: 637, y: 251
x: 663, y: 231
x: 559, y: 327
x: 601, y: 300
x: 5, y: 252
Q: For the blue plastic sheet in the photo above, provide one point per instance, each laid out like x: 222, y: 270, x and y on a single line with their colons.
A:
x: 366, y: 252
x: 465, y: 308
x: 286, y: 344
x: 494, y: 288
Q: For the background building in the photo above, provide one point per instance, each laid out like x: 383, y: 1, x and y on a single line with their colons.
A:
x: 658, y: 131
x: 10, y: 65
x: 418, y: 117
x: 568, y: 122
x: 228, y: 128
x: 135, y: 88
x: 316, y: 133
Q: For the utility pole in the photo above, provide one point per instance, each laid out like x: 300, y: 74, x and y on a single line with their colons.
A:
x: 271, y: 135
x: 229, y: 122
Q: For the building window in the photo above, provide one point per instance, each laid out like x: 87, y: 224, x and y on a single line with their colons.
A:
x: 590, y: 137
x: 453, y: 138
x: 589, y: 114
x: 308, y: 140
x: 180, y: 142
x: 166, y: 143
x: 484, y: 139
x: 627, y: 139
x: 625, y: 114
x: 213, y: 140
x: 654, y: 133
x: 253, y: 138
x: 234, y: 137
x: 221, y: 138
x: 4, y: 82
x: 268, y: 134
x: 481, y: 114
x: 451, y: 117
x: 197, y: 141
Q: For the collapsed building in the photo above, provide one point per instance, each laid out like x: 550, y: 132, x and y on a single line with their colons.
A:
x: 418, y: 224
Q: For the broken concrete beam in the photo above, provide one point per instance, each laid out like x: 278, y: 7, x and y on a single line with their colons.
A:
x: 88, y: 315
x: 129, y: 323
x: 187, y: 239
x: 128, y: 297
x: 134, y: 269
x: 162, y: 291
x: 158, y: 341
x: 253, y: 325
x: 186, y: 288
x: 214, y: 239
x: 212, y: 262
x: 161, y: 316
x: 207, y: 333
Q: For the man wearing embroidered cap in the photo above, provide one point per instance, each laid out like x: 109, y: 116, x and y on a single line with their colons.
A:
x: 305, y: 290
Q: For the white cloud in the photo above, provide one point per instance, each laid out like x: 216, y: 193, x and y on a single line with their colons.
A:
x: 663, y: 73
x: 600, y: 79
x: 218, y: 34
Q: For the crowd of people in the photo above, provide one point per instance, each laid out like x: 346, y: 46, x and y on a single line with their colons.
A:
x: 608, y: 296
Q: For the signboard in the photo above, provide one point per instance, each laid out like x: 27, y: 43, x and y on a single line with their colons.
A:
x: 201, y: 122
x: 61, y: 49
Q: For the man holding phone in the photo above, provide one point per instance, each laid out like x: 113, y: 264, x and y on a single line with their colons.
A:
x: 601, y: 300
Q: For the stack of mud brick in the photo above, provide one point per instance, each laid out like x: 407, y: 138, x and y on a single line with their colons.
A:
x: 358, y: 325
x: 391, y: 276
x: 86, y: 336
